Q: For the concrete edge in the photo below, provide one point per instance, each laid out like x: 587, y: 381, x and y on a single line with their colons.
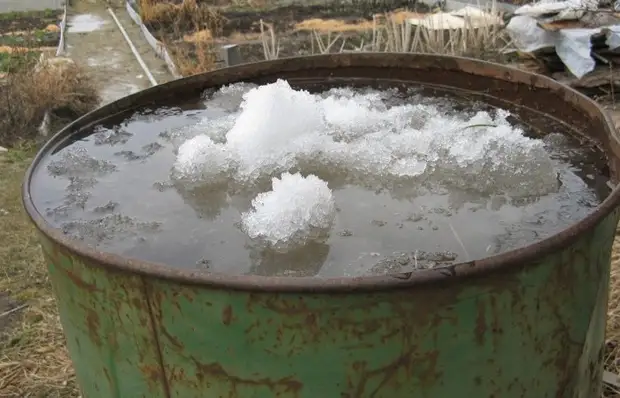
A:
x: 44, y: 128
x: 159, y: 47
x: 63, y: 26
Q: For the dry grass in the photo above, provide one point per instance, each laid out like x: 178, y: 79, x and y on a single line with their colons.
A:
x: 197, y: 57
x: 33, y: 358
x: 187, y: 30
x: 22, y: 50
x: 26, y: 94
x: 393, y: 33
x: 199, y: 36
x: 188, y: 16
x: 271, y: 46
x: 157, y: 11
x: 338, y: 25
x: 333, y: 25
x: 612, y: 358
x: 483, y: 41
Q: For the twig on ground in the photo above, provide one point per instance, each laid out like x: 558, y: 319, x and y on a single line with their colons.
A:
x: 13, y: 310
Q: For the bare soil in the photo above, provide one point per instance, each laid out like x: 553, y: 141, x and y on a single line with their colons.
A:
x: 291, y: 23
x: 284, y: 18
x: 30, y: 29
x: 26, y: 21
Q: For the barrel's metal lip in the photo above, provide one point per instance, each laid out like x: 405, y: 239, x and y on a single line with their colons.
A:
x: 506, y: 261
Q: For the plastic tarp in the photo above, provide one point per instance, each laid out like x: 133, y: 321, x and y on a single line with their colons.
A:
x: 572, y: 46
x: 563, y: 10
x: 466, y: 17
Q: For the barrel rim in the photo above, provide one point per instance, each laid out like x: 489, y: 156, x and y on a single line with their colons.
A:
x: 498, y: 263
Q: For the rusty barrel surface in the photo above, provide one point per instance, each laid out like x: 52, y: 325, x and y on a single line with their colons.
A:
x: 527, y: 323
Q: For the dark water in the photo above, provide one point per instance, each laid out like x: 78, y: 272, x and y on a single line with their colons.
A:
x: 113, y: 190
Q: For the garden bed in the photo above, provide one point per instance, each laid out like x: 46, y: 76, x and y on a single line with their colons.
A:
x: 25, y: 35
x: 191, y: 28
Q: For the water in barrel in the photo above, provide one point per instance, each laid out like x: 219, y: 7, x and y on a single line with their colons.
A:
x: 276, y: 181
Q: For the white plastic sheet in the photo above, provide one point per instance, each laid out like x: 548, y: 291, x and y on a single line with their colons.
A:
x: 613, y: 37
x: 463, y: 18
x: 527, y: 36
x: 564, y: 10
x: 573, y: 46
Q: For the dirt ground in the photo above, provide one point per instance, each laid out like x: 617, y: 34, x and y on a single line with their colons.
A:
x: 33, y: 360
x: 30, y: 20
x: 289, y: 18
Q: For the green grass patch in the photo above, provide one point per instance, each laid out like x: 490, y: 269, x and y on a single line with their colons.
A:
x: 34, y: 361
x: 43, y: 14
x: 10, y: 62
x: 37, y: 38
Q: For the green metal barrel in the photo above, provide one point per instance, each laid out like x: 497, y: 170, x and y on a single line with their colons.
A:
x: 527, y: 323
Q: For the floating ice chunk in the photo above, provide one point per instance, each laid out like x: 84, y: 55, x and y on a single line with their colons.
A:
x: 115, y: 136
x: 480, y: 135
x: 76, y: 162
x: 363, y: 137
x: 214, y: 128
x: 352, y: 117
x: 277, y: 125
x: 200, y: 159
x: 362, y: 157
x: 107, y: 228
x: 489, y: 155
x: 297, y: 210
x: 229, y: 97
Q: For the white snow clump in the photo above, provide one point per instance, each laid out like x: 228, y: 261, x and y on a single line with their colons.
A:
x: 297, y: 209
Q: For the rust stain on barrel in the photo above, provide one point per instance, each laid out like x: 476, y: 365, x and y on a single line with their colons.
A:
x: 481, y: 324
x: 286, y: 385
x: 227, y: 315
